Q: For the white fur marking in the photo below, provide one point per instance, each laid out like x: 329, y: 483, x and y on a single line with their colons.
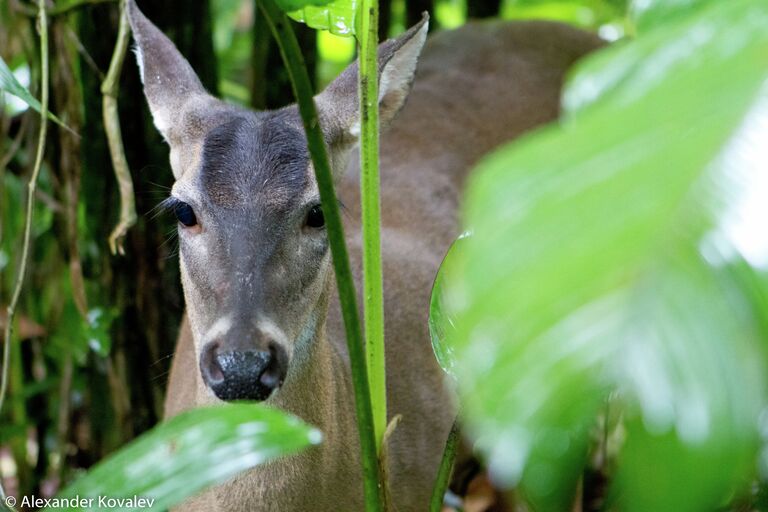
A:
x: 271, y: 329
x: 219, y: 328
x: 139, y: 61
x: 354, y: 130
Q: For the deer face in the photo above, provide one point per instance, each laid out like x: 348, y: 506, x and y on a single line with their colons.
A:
x: 254, y: 253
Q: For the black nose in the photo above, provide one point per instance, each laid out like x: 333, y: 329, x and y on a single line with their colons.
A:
x: 243, y: 375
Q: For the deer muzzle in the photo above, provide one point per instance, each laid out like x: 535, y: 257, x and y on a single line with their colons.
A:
x: 243, y: 374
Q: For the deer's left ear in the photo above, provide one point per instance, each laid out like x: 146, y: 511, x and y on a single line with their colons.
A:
x: 338, y: 104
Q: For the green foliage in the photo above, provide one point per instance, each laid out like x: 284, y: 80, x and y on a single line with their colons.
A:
x: 617, y: 250
x: 590, y: 14
x: 295, y: 5
x: 167, y: 463
x: 648, y: 13
x: 233, y: 42
x: 10, y: 84
x: 339, y: 17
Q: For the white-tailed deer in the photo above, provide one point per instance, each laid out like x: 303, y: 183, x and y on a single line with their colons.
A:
x: 262, y: 319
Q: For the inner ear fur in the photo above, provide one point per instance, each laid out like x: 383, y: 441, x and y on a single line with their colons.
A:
x: 177, y: 99
x: 338, y: 103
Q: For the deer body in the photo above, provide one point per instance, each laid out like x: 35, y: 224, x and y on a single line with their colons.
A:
x: 476, y: 87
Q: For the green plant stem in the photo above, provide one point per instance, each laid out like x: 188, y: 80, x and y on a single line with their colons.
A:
x: 302, y: 88
x: 444, y: 471
x: 109, y: 89
x: 31, y: 187
x: 373, y: 296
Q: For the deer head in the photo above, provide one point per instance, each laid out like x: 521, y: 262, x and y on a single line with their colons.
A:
x: 254, y: 255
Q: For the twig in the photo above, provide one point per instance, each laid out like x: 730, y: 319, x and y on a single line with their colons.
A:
x: 302, y: 89
x: 15, y: 144
x: 76, y: 4
x: 12, y: 150
x: 109, y: 88
x: 43, y: 26
x: 83, y: 51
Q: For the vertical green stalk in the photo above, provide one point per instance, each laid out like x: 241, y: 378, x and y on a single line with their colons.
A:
x: 302, y: 88
x: 444, y: 471
x: 371, y: 206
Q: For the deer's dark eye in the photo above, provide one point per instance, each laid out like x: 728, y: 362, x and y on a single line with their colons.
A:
x: 185, y: 214
x: 315, y: 217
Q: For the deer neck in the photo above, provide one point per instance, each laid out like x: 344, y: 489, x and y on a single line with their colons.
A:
x: 318, y: 385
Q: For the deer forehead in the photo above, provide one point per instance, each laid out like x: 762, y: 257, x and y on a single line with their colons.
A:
x: 254, y: 159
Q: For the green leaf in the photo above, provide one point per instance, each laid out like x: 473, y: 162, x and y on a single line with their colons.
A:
x: 618, y: 73
x: 192, y: 451
x: 587, y: 14
x: 601, y: 258
x: 648, y: 14
x: 9, y: 84
x: 295, y: 5
x: 338, y: 17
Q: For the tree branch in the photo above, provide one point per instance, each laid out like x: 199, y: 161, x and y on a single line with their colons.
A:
x: 110, y: 88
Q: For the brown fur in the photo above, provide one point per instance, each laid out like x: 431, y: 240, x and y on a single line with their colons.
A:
x: 476, y: 87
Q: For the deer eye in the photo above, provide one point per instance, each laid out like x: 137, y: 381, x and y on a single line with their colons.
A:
x: 315, y: 217
x: 185, y: 214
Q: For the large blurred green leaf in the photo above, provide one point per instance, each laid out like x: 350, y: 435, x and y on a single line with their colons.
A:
x: 192, y: 451
x: 618, y: 74
x: 649, y: 13
x: 9, y: 84
x: 603, y: 256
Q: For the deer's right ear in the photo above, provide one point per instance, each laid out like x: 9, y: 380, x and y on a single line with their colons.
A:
x: 173, y: 90
x: 338, y: 103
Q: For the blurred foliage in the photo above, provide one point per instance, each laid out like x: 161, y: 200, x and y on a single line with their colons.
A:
x: 627, y: 255
x: 164, y: 465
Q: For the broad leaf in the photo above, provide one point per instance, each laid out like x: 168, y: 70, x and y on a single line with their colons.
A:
x: 8, y: 83
x: 650, y: 13
x: 338, y: 16
x: 192, y: 451
x: 601, y: 258
x: 618, y: 74
x: 295, y: 5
